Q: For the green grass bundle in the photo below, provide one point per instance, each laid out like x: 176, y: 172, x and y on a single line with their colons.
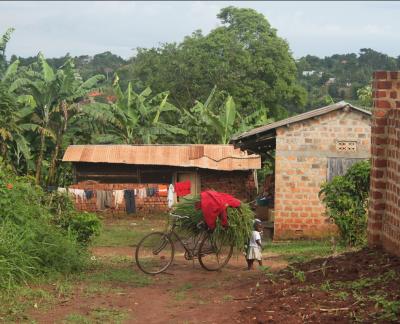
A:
x: 240, y: 222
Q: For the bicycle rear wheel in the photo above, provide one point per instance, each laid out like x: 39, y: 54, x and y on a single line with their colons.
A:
x: 213, y: 254
x: 154, y: 253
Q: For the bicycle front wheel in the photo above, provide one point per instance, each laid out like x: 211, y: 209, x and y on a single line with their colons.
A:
x: 154, y: 253
x: 213, y: 254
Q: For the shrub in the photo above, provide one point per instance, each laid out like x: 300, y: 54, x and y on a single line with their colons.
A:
x: 346, y: 199
x: 32, y: 242
x: 82, y: 224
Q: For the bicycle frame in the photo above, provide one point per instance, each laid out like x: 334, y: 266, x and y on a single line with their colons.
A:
x: 191, y: 252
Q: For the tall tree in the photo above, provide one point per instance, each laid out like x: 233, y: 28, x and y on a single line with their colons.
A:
x: 56, y: 94
x: 244, y: 57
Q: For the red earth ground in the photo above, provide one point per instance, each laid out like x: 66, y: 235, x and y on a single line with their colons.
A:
x: 186, y: 293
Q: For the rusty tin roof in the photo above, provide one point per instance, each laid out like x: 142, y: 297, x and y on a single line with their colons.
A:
x: 216, y: 157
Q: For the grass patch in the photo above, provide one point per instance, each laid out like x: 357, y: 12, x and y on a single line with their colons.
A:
x: 76, y: 319
x: 303, y: 250
x: 180, y: 292
x: 128, y: 232
x: 227, y: 297
x: 97, y: 315
x: 14, y: 305
x: 120, y: 275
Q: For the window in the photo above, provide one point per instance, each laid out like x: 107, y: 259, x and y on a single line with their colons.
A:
x: 346, y: 146
x: 339, y: 166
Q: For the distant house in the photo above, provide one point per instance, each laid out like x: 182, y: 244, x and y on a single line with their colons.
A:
x: 312, y: 72
x: 308, y: 73
x: 147, y: 167
x: 309, y: 148
x: 330, y: 81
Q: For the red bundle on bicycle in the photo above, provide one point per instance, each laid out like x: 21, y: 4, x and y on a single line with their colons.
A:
x: 213, y: 204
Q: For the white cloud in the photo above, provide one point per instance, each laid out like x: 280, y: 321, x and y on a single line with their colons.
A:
x: 319, y: 28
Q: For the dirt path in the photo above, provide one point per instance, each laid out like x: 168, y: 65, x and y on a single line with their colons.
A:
x: 185, y: 294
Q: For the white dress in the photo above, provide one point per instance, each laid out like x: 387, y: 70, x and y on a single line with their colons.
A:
x: 254, y: 250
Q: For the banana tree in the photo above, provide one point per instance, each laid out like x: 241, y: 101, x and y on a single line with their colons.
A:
x: 137, y: 117
x: 72, y: 90
x: 220, y: 120
x: 57, y: 94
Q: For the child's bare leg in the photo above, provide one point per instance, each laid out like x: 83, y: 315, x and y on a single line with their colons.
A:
x: 260, y: 262
x: 249, y: 264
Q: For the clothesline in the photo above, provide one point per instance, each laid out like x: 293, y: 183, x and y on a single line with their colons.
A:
x: 113, y: 198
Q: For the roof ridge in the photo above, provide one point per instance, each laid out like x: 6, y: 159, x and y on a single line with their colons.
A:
x: 298, y: 118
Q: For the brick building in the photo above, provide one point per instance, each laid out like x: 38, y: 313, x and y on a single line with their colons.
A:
x: 129, y: 167
x: 384, y: 210
x: 309, y: 149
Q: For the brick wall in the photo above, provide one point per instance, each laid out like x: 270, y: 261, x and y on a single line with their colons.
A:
x: 384, y: 209
x: 302, y: 151
x: 240, y: 184
x: 143, y: 205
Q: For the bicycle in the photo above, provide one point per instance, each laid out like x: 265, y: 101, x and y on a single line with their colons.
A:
x: 156, y: 251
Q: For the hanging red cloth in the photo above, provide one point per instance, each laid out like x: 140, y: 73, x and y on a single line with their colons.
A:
x: 182, y: 188
x: 213, y: 204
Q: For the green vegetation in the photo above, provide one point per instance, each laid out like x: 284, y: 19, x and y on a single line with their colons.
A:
x: 128, y: 232
x: 346, y: 198
x: 32, y: 243
x: 48, y: 104
x: 342, y: 76
x: 303, y: 250
x: 204, y: 89
x: 237, y: 233
x: 97, y: 315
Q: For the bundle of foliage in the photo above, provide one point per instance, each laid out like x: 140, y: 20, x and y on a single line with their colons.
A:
x: 346, y: 199
x: 240, y: 222
x: 30, y: 243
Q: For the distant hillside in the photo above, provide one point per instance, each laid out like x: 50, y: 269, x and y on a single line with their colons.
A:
x: 341, y: 75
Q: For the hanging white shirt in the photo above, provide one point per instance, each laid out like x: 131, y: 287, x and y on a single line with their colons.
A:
x: 170, y: 196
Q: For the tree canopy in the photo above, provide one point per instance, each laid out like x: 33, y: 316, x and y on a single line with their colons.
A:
x: 243, y: 57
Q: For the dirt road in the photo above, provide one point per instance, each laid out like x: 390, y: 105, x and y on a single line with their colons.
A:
x: 184, y: 294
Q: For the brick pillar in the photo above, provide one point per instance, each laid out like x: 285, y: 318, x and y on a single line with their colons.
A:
x: 386, y: 97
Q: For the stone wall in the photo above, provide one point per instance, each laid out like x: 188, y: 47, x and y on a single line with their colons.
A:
x: 302, y: 152
x: 384, y: 209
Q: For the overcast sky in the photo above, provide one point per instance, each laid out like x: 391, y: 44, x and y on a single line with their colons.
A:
x: 317, y: 28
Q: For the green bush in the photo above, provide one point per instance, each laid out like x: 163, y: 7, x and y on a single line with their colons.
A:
x: 346, y: 199
x: 33, y: 240
x: 82, y: 224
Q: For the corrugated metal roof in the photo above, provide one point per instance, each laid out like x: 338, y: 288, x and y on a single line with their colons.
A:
x: 216, y: 157
x: 298, y: 118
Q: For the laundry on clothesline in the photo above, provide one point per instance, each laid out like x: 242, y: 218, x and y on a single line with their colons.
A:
x: 163, y: 190
x: 118, y: 197
x: 183, y: 188
x: 77, y: 193
x: 130, y: 201
x: 89, y: 194
x: 170, y: 196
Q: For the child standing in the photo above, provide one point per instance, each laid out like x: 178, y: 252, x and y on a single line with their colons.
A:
x: 254, y: 246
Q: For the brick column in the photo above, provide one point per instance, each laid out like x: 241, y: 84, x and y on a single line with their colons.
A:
x: 386, y: 97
